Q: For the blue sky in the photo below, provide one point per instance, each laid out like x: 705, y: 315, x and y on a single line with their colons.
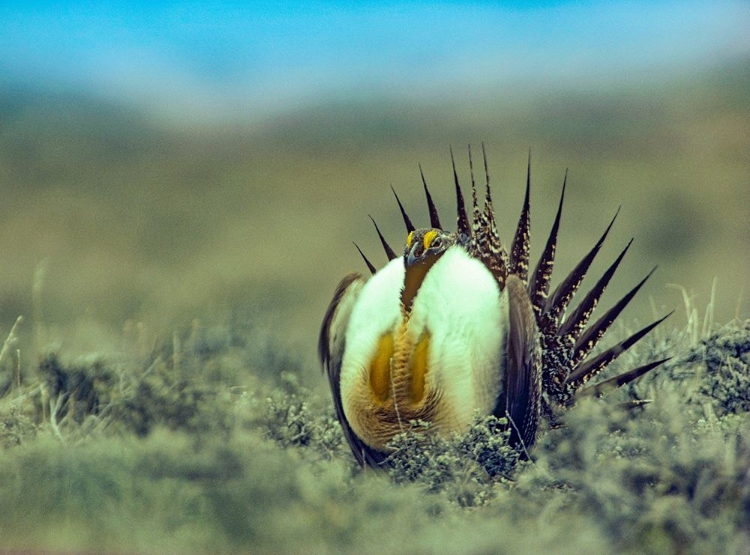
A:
x: 228, y: 58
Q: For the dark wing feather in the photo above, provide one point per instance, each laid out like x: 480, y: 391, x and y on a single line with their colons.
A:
x: 331, y: 344
x: 523, y: 373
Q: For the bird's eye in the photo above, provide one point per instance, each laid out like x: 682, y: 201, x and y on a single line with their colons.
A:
x: 437, y: 242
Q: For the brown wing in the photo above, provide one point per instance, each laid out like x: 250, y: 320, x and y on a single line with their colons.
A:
x: 523, y: 383
x: 331, y: 345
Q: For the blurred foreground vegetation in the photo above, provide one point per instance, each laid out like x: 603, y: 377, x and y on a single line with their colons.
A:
x: 212, y: 443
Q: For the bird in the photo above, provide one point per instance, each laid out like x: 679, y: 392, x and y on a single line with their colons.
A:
x: 458, y: 325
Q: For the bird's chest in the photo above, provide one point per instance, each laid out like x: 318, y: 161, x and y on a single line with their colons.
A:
x: 441, y: 361
x: 399, y: 367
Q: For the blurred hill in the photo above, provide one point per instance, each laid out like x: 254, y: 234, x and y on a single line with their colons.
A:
x: 109, y: 216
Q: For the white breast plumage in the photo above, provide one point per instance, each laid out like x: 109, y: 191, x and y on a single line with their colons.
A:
x: 459, y: 305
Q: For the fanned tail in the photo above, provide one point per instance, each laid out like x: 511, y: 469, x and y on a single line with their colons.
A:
x: 495, y: 252
x: 564, y: 342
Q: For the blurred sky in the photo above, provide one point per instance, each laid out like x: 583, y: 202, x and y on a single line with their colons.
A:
x: 218, y: 60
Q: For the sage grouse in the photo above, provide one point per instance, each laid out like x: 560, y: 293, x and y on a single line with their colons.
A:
x: 458, y: 324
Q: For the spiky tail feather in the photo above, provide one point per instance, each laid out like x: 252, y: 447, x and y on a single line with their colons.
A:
x: 386, y: 247
x: 588, y: 369
x: 369, y: 264
x: 462, y: 219
x: 407, y: 221
x: 540, y: 280
x: 621, y: 379
x: 519, y: 250
x: 434, y: 217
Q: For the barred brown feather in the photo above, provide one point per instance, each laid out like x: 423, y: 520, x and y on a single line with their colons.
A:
x: 519, y: 250
x: 540, y: 280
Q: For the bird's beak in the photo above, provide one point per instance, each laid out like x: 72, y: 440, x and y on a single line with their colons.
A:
x: 414, y: 256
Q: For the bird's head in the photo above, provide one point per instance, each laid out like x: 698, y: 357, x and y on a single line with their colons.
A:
x: 426, y: 245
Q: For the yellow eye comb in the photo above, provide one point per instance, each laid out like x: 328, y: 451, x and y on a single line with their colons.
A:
x: 429, y: 237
